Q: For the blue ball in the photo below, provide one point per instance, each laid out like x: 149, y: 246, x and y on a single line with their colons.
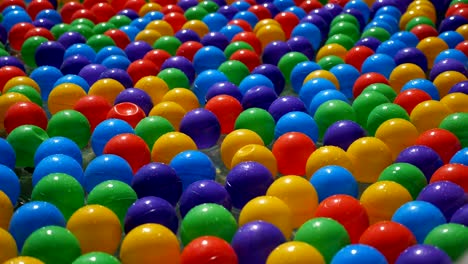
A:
x: 106, y: 130
x: 390, y: 21
x: 331, y: 180
x: 452, y: 38
x: 140, y: 23
x: 420, y: 217
x: 208, y: 58
x: 57, y: 163
x: 410, y: 39
x: 310, y: 31
x: 106, y: 52
x: 9, y: 183
x: 361, y: 6
x: 380, y: 63
x: 391, y: 47
x: 32, y: 216
x: 283, y: 4
x: 312, y: 87
x: 389, y: 10
x: 45, y: 77
x: 116, y: 62
x: 107, y: 167
x: 248, y: 16
x: 299, y: 12
x: 253, y: 80
x: 130, y: 31
x: 460, y: 157
x: 358, y: 253
x: 230, y: 31
x: 297, y: 121
x: 50, y: 14
x: 154, y: 15
x: 215, y: 21
x: 423, y: 84
x: 204, y: 81
x: 80, y: 49
x: 241, y: 5
x: 14, y: 17
x: 75, y: 79
x: 8, y: 155
x: 324, y: 96
x: 58, y: 145
x: 11, y: 8
x: 300, y: 72
x: 379, y: 24
x: 452, y: 54
x: 192, y: 166
x: 346, y: 76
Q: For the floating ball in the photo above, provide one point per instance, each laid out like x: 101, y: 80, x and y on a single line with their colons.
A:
x: 169, y: 145
x: 358, y: 253
x: 57, y: 163
x: 291, y: 151
x: 445, y: 195
x: 327, y: 155
x: 97, y: 257
x: 202, y: 126
x: 208, y: 248
x: 61, y: 121
x: 235, y: 141
x: 423, y: 253
x: 193, y: 160
x: 445, y: 143
x: 252, y: 118
x: 407, y: 175
x: 25, y: 140
x: 58, y: 145
x: 455, y: 173
x: 425, y: 158
x: 451, y: 238
x: 382, y: 113
x: 456, y: 124
x: 331, y: 180
x: 295, y: 252
x: 107, y: 167
x: 130, y: 147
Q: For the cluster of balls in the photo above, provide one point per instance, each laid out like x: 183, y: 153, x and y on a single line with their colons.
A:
x: 223, y: 131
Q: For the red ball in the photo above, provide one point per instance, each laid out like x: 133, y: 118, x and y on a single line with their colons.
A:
x: 188, y: 49
x: 462, y: 12
x: 310, y: 5
x: 260, y: 11
x: 7, y: 73
x: 453, y: 8
x: 157, y: 56
x: 37, y: 6
x: 367, y: 79
x: 90, y: 3
x: 463, y: 47
x: 456, y: 173
x: 142, y: 68
x: 288, y: 22
x: 423, y: 31
x: 165, y: 2
x: 226, y: 108
x: 390, y: 238
x: 357, y: 55
x: 118, y: 4
x: 103, y: 12
x: 17, y: 33
x: 25, y: 113
x: 341, y: 3
x: 6, y: 3
x: 241, y: 23
x: 128, y: 112
x: 39, y: 31
x: 251, y: 39
x: 171, y: 8
x: 175, y: 19
x: 134, y: 5
x: 347, y: 211
x: 131, y: 148
x: 410, y: 98
x: 292, y: 150
x: 442, y: 141
x: 84, y: 13
x: 208, y: 249
x: 248, y: 57
x: 94, y: 108
x: 68, y: 10
x: 119, y: 37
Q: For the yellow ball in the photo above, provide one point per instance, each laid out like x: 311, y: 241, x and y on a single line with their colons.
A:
x: 198, y: 26
x: 331, y: 49
x: 149, y: 7
x: 463, y: 30
x: 299, y: 194
x: 456, y: 102
x: 327, y: 155
x: 8, y: 247
x: 397, y: 134
x: 172, y: 111
x: 162, y: 27
x: 97, y: 228
x: 265, y: 22
x: 382, y: 199
x: 107, y: 88
x: 258, y: 153
x: 417, y: 11
x: 148, y: 35
x: 428, y: 114
x: 404, y: 73
x: 7, y: 100
x: 184, y: 97
x: 420, y: 2
x: 323, y: 74
x: 169, y: 145
x: 150, y: 244
x: 270, y: 209
x: 431, y: 47
x: 370, y: 156
x: 21, y: 80
x: 154, y: 86
x: 64, y: 96
x: 23, y: 260
x: 269, y: 33
x: 295, y: 252
x: 6, y: 211
x: 446, y: 80
x: 235, y: 141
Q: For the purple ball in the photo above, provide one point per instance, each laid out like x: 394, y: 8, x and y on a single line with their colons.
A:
x: 254, y: 241
x: 158, y: 179
x: 246, y: 181
x: 202, y: 126
x: 301, y: 44
x: 445, y: 195
x: 451, y: 23
x: 186, y: 4
x: 229, y: 11
x: 317, y: 21
x: 323, y: 13
x: 204, y: 191
x: 74, y: 64
x: 425, y: 158
x: 411, y: 55
x: 273, y: 73
x: 44, y: 23
x: 461, y: 87
x: 136, y: 96
x: 11, y: 61
x: 426, y: 254
x: 216, y: 39
x: 333, y: 9
x: 137, y: 50
x: 272, y: 8
x: 151, y: 209
x: 227, y: 88
x: 259, y: 96
x: 132, y: 14
x: 284, y: 105
x: 3, y: 34
x: 119, y: 75
x: 70, y: 38
x: 447, y: 65
x: 342, y: 134
x: 460, y: 216
x: 185, y: 35
x: 370, y: 42
x: 181, y: 63
x: 50, y: 53
x: 358, y: 15
x: 92, y: 73
x: 274, y: 51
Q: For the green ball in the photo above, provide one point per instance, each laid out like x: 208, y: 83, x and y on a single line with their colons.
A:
x: 195, y: 13
x: 458, y: 1
x: 347, y: 28
x: 174, y: 78
x: 59, y: 29
x: 52, y: 244
x: 382, y: 113
x: 3, y: 52
x: 235, y: 46
x: 115, y: 195
x: 341, y: 39
x: 83, y: 21
x: 28, y: 50
x: 259, y: 121
x: 451, y: 238
x: 84, y: 30
x: 96, y: 258
x: 208, y: 219
x: 167, y: 43
x: 407, y: 175
x: 28, y: 91
x: 234, y: 70
x: 60, y: 124
x: 384, y: 89
x: 457, y: 123
x: 25, y: 140
x: 61, y: 190
x: 345, y: 18
x: 330, y: 61
x: 151, y: 128
x: 288, y: 61
x: 97, y: 42
x: 325, y: 234
x: 209, y: 6
x: 365, y: 103
x: 101, y: 28
x: 376, y: 32
x: 420, y: 20
x: 331, y: 112
x: 120, y: 21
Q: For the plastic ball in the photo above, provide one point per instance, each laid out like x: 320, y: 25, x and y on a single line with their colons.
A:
x: 331, y: 180
x: 169, y: 145
x: 358, y: 253
x: 59, y: 123
x: 295, y: 252
x: 57, y: 163
x: 407, y: 175
x: 206, y: 122
x: 147, y: 126
x: 428, y: 115
x: 73, y: 79
x: 451, y: 238
x: 9, y: 184
x: 96, y: 257
x: 425, y: 158
x: 130, y: 147
x: 451, y: 172
x: 410, y: 98
x: 454, y: 101
x: 382, y: 113
x: 24, y: 113
x: 423, y: 253
x: 250, y: 118
x: 460, y: 157
x: 327, y: 155
x: 196, y: 161
x: 445, y: 195
x: 342, y: 134
x: 291, y: 151
x: 235, y: 141
x: 445, y: 143
x: 64, y: 96
x: 207, y: 248
x: 6, y: 208
x: 171, y: 111
x: 460, y: 216
x: 25, y: 140
x: 455, y: 123
x: 8, y: 244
